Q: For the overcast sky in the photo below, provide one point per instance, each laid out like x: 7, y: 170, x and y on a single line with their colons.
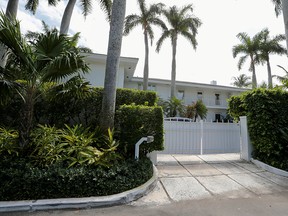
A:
x: 222, y: 21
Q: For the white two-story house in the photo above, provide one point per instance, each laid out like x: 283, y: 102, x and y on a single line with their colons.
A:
x: 214, y: 96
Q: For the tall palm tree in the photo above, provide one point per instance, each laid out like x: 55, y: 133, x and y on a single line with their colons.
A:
x: 283, y: 79
x: 66, y: 18
x: 250, y: 48
x: 11, y: 11
x: 281, y: 6
x: 242, y: 81
x: 147, y: 18
x: 270, y: 46
x: 50, y: 57
x: 183, y: 22
x: 112, y: 64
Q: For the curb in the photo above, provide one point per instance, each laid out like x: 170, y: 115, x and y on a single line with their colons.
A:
x: 86, y: 202
x: 270, y: 168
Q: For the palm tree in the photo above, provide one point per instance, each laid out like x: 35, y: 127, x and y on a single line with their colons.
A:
x: 283, y: 79
x: 50, y: 57
x: 173, y: 107
x: 66, y: 18
x: 250, y: 48
x: 196, y: 110
x: 270, y: 46
x: 242, y: 81
x: 182, y: 23
x: 11, y: 11
x: 112, y: 63
x: 147, y: 18
x: 281, y: 6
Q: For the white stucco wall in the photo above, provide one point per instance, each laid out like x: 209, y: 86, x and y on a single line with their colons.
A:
x: 96, y: 75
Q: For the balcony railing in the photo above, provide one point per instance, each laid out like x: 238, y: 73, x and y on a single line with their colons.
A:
x: 214, y: 102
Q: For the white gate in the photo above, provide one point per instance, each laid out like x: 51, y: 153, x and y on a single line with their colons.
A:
x: 201, y: 137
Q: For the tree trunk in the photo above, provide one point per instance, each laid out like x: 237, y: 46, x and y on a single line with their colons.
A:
x: 11, y: 11
x: 27, y: 113
x: 66, y: 18
x: 173, y: 71
x: 12, y: 8
x: 254, y: 80
x: 112, y: 64
x: 146, y: 64
x: 285, y: 16
x: 270, y: 84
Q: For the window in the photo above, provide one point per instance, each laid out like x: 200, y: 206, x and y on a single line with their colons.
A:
x: 152, y: 87
x: 217, y: 99
x: 199, y: 95
x: 180, y: 94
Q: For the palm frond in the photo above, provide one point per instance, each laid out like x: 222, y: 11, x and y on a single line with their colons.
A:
x: 86, y: 7
x: 166, y: 34
x: 131, y: 22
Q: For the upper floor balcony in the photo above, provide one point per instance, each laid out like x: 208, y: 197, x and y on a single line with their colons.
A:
x: 215, y: 103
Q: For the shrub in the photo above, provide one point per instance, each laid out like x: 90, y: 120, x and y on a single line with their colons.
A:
x: 21, y: 181
x: 72, y: 145
x: 9, y: 142
x: 135, y: 122
x: 267, y: 114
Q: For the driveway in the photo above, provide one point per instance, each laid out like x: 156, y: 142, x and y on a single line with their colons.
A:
x: 196, y: 177
x: 201, y: 185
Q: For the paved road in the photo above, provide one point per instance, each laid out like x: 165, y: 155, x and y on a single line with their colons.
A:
x: 202, y: 185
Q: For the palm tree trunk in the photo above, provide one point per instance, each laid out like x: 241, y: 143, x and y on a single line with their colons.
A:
x: 173, y: 72
x: 146, y: 64
x: 11, y: 11
x: 12, y: 8
x: 27, y: 118
x: 254, y: 80
x: 270, y: 84
x: 112, y: 64
x: 66, y: 18
x: 285, y: 16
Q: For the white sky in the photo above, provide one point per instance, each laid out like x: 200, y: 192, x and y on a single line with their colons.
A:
x: 222, y: 21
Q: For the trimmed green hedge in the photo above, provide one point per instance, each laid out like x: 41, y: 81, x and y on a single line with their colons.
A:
x: 134, y: 122
x: 72, y: 109
x: 21, y: 181
x: 267, y: 113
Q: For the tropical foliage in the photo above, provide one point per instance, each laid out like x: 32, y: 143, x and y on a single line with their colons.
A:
x: 242, y: 81
x: 147, y: 18
x: 173, y: 107
x: 249, y: 47
x: 86, y: 6
x: 196, y: 110
x: 49, y: 58
x: 183, y: 22
x: 270, y: 46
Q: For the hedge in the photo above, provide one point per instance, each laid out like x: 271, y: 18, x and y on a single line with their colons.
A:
x: 72, y: 109
x: 136, y: 121
x: 21, y: 181
x: 267, y: 114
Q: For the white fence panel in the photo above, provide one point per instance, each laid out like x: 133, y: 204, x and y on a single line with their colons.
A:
x: 182, y: 138
x: 221, y: 138
x: 201, y: 138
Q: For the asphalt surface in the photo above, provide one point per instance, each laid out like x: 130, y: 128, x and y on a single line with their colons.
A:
x: 201, y: 185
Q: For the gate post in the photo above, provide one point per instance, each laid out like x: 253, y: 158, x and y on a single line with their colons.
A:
x: 245, y: 145
x: 202, y: 134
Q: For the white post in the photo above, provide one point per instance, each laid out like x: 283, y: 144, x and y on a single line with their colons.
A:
x: 137, y: 147
x: 246, y: 147
x: 202, y: 133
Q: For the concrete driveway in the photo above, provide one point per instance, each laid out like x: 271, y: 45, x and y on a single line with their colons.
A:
x: 200, y: 185
x: 196, y: 177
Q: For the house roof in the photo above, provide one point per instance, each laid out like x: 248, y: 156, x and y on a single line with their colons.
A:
x: 129, y: 63
x: 191, y: 84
